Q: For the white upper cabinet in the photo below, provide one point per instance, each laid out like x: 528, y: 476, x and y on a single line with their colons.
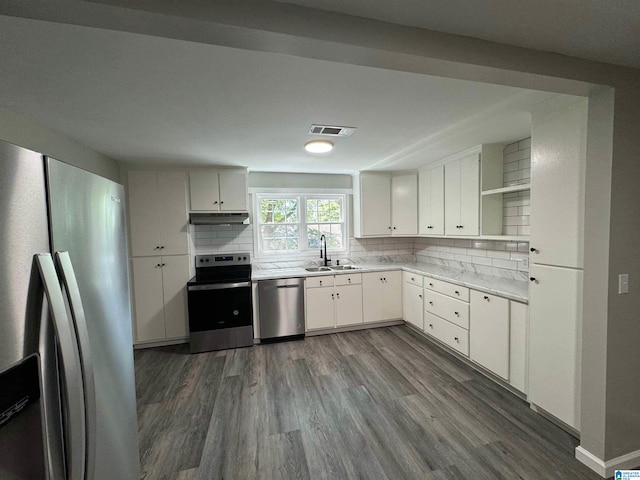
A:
x: 558, y: 157
x: 385, y: 205
x: 372, y: 204
x: 404, y: 204
x: 462, y: 196
x: 218, y: 190
x: 431, y: 201
x: 158, y: 213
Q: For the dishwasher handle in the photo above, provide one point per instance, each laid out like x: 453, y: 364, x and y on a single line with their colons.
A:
x: 288, y: 286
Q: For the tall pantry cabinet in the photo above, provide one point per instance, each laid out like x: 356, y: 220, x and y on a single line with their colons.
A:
x: 558, y: 153
x: 158, y: 219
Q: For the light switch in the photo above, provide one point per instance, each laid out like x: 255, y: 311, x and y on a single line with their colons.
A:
x: 623, y: 283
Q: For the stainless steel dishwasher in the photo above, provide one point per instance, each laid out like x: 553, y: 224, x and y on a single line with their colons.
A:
x: 281, y: 309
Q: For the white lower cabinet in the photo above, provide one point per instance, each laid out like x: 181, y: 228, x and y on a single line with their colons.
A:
x: 333, y: 302
x: 554, y: 341
x: 412, y: 304
x: 160, y: 297
x: 381, y: 296
x: 452, y: 335
x: 519, y: 320
x: 489, y: 332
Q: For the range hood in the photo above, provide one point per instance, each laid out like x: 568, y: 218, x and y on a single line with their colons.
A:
x: 218, y: 218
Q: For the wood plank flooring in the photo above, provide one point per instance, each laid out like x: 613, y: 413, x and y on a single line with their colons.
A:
x: 383, y: 403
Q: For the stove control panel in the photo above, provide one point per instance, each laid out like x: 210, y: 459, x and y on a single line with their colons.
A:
x: 221, y: 260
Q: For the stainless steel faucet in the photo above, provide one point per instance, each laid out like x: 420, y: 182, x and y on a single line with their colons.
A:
x: 323, y: 241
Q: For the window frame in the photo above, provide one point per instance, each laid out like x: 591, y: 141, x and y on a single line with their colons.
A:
x: 302, y: 222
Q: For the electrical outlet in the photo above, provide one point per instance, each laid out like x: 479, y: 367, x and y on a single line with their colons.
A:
x: 623, y: 283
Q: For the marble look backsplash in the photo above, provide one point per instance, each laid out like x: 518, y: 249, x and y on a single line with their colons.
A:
x: 491, y: 257
x: 505, y: 259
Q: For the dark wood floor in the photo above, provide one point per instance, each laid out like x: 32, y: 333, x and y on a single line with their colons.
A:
x: 383, y: 403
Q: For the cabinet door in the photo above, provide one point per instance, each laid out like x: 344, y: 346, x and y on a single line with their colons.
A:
x: 470, y: 195
x: 144, y: 214
x: 555, y: 316
x: 518, y: 346
x: 320, y: 308
x: 452, y: 198
x: 489, y: 332
x: 348, y: 300
x: 412, y: 305
x: 204, y: 190
x: 233, y: 190
x: 175, y: 275
x: 404, y: 204
x: 372, y: 296
x: 424, y: 203
x: 558, y: 156
x: 148, y: 299
x: 392, y: 295
x: 436, y: 196
x: 375, y: 204
x: 174, y: 216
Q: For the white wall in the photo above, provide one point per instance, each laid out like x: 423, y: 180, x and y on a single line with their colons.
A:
x: 28, y: 133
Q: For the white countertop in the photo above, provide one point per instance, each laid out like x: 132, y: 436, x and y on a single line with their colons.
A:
x: 502, y: 286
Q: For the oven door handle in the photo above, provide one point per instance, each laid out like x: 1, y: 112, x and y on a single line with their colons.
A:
x: 218, y: 286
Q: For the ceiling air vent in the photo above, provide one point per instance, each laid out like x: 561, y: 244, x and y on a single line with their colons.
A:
x: 331, y: 130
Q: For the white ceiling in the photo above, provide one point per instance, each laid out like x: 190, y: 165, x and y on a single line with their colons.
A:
x: 601, y: 30
x: 142, y: 98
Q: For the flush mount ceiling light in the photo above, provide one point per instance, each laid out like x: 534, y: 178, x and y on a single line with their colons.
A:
x: 318, y: 146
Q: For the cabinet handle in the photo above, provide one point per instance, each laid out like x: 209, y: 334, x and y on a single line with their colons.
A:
x: 394, y: 228
x: 412, y: 279
x: 384, y: 279
x: 332, y: 296
x: 338, y: 296
x: 221, y: 202
x: 457, y: 313
x: 349, y: 280
x: 161, y: 247
x: 380, y: 278
x: 486, y: 298
x: 461, y: 226
x: 162, y: 265
x: 431, y: 284
x: 215, y: 203
x: 431, y: 303
x: 533, y: 279
x: 419, y: 296
x: 157, y: 247
x: 389, y: 228
x: 320, y: 282
x: 431, y: 325
x: 456, y: 339
x: 158, y: 265
x: 457, y: 292
x: 535, y: 250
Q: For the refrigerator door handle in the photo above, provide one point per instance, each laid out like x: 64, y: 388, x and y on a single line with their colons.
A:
x: 71, y: 369
x: 69, y: 280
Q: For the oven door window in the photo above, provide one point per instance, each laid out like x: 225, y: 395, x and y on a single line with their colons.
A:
x: 219, y: 308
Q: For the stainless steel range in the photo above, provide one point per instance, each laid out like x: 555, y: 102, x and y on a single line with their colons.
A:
x: 220, y: 304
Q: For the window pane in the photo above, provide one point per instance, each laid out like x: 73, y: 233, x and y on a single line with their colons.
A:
x: 312, y: 210
x: 334, y: 211
x: 279, y: 237
x: 273, y: 210
x: 313, y: 236
x: 334, y: 239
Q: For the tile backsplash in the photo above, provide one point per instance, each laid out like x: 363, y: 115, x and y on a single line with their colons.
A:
x: 516, y: 171
x: 222, y: 238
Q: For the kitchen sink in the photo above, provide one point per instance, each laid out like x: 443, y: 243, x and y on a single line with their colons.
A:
x: 318, y: 269
x: 344, y: 267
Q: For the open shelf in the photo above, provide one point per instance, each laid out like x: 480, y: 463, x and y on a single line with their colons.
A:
x: 511, y: 189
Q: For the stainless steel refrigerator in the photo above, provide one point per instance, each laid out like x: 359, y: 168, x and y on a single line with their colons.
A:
x: 67, y: 392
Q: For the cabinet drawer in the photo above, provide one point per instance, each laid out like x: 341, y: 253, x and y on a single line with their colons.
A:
x: 446, y: 288
x: 323, y: 281
x: 348, y: 279
x: 448, y: 333
x: 448, y: 308
x: 412, y: 278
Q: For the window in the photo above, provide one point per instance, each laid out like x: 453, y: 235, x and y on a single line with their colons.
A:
x: 293, y: 224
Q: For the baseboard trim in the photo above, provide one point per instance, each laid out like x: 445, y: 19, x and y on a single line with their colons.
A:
x: 161, y: 343
x: 351, y: 328
x: 608, y: 468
